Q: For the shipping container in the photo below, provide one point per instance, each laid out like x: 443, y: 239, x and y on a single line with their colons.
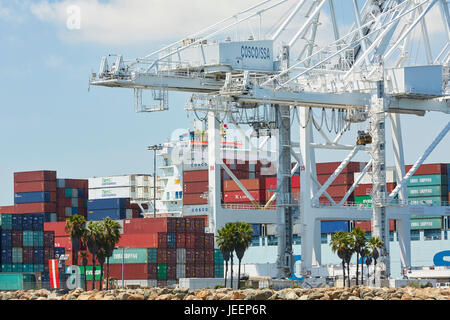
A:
x: 6, y: 238
x: 330, y: 167
x: 35, y: 207
x: 429, y: 201
x: 17, y: 238
x: 31, y: 197
x: 36, y: 186
x: 27, y: 176
x: 150, y: 225
x: 181, y: 270
x: 114, y: 214
x: 149, y: 240
x: 112, y: 182
x: 427, y: 180
x: 240, y: 196
x: 181, y: 255
x: 17, y: 281
x: 189, y: 240
x: 430, y: 168
x: 162, y: 271
x: 427, y: 191
x: 195, y: 199
x: 17, y: 255
x: 333, y: 226
x: 107, y: 193
x: 57, y: 227
x: 131, y: 256
x: 195, y: 187
x: 417, y: 224
x: 101, y: 204
x: 249, y: 184
x: 7, y: 209
x: 6, y: 221
x: 209, y: 240
x: 171, y: 271
x: 195, y: 176
x: 366, y: 225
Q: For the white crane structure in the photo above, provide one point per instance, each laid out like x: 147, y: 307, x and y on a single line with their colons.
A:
x: 380, y: 62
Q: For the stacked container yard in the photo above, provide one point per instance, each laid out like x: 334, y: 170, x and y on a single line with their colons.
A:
x: 159, y: 251
x: 428, y: 186
x: 112, y: 196
x: 72, y: 195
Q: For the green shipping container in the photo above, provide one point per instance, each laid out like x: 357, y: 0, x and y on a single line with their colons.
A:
x: 17, y: 267
x: 28, y: 238
x: 38, y: 238
x: 132, y: 256
x: 38, y: 268
x: 218, y: 257
x: 365, y: 201
x: 68, y: 193
x: 427, y: 191
x: 417, y: 224
x: 161, y: 272
x: 89, y: 272
x: 28, y: 267
x: 152, y: 255
x: 428, y: 201
x: 6, y: 221
x: 17, y: 281
x: 427, y: 180
x: 6, y: 267
x: 17, y: 256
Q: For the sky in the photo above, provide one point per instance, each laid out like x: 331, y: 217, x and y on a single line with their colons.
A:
x: 50, y: 118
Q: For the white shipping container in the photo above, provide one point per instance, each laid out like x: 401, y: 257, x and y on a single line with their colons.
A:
x: 138, y: 282
x: 181, y: 270
x: 68, y: 211
x: 112, y: 181
x: 181, y: 255
x: 75, y: 202
x: 106, y: 193
x: 367, y: 179
x: 74, y: 193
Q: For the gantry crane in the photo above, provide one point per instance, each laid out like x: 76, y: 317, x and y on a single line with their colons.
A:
x: 364, y: 75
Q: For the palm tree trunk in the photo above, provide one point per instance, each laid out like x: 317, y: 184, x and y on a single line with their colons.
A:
x: 93, y: 272
x: 239, y: 275
x: 343, y: 272
x: 85, y: 281
x: 374, y: 270
x: 362, y: 271
x: 101, y: 276
x: 231, y: 274
x: 348, y: 274
x: 357, y: 266
x: 226, y: 270
x: 107, y: 273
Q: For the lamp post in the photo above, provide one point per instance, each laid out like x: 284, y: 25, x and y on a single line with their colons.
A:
x: 123, y: 264
x: 154, y: 147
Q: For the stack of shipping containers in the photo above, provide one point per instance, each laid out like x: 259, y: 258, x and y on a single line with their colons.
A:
x: 114, y: 208
x: 71, y: 198
x: 428, y: 186
x: 159, y: 251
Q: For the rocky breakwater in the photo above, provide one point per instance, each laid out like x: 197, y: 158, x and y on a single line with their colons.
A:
x: 352, y: 293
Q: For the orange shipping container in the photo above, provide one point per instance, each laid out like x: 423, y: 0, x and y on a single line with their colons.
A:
x: 249, y: 184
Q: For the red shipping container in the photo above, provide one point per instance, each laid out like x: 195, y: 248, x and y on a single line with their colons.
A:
x: 189, y: 240
x: 195, y: 176
x: 239, y: 174
x: 17, y: 238
x: 49, y: 253
x: 152, y: 270
x: 161, y: 255
x: 162, y: 240
x: 171, y: 256
x: 171, y: 271
x: 195, y: 198
x: 7, y: 210
x: 35, y: 207
x: 27, y: 255
x: 181, y: 240
x: 190, y: 256
x: 366, y: 189
x: 49, y: 238
x: 199, y: 255
x: 209, y: 240
x: 131, y: 271
x: 199, y: 270
x: 64, y: 202
x: 330, y: 167
x: 239, y: 196
x: 190, y: 270
x: 199, y: 225
x: 43, y: 175
x: 338, y: 191
x: 149, y: 225
x: 82, y: 212
x: 429, y: 168
x: 148, y: 240
x: 195, y: 187
x: 60, y: 193
x: 180, y: 225
x: 208, y: 271
x: 366, y: 225
x: 341, y: 179
x: 209, y: 256
x: 199, y: 240
x: 36, y: 186
x: 249, y: 184
x: 81, y: 203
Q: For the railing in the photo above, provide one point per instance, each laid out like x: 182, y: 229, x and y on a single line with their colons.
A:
x: 233, y: 206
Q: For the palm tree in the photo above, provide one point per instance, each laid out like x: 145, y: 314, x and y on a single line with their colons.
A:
x: 359, y: 242
x: 338, y: 244
x: 93, y: 241
x: 101, y: 254
x: 75, y: 226
x: 368, y: 263
x: 243, y: 240
x: 375, y: 244
x: 365, y: 255
x: 112, y: 236
x: 226, y: 246
x: 84, y: 261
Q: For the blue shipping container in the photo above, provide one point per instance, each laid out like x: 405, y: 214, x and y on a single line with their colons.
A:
x: 27, y: 222
x: 74, y: 210
x: 38, y: 221
x: 6, y: 241
x: 6, y: 255
x: 256, y: 230
x: 17, y: 222
x: 115, y: 214
x: 31, y: 197
x: 59, y: 251
x: 102, y: 204
x: 60, y: 183
x: 81, y: 193
x: 333, y: 226
x: 171, y: 240
x: 38, y: 255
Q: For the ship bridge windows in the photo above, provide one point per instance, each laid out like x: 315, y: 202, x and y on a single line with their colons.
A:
x: 272, y: 241
x: 255, y: 241
x: 432, y: 234
x: 323, y: 238
x: 415, y: 235
x: 296, y: 239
